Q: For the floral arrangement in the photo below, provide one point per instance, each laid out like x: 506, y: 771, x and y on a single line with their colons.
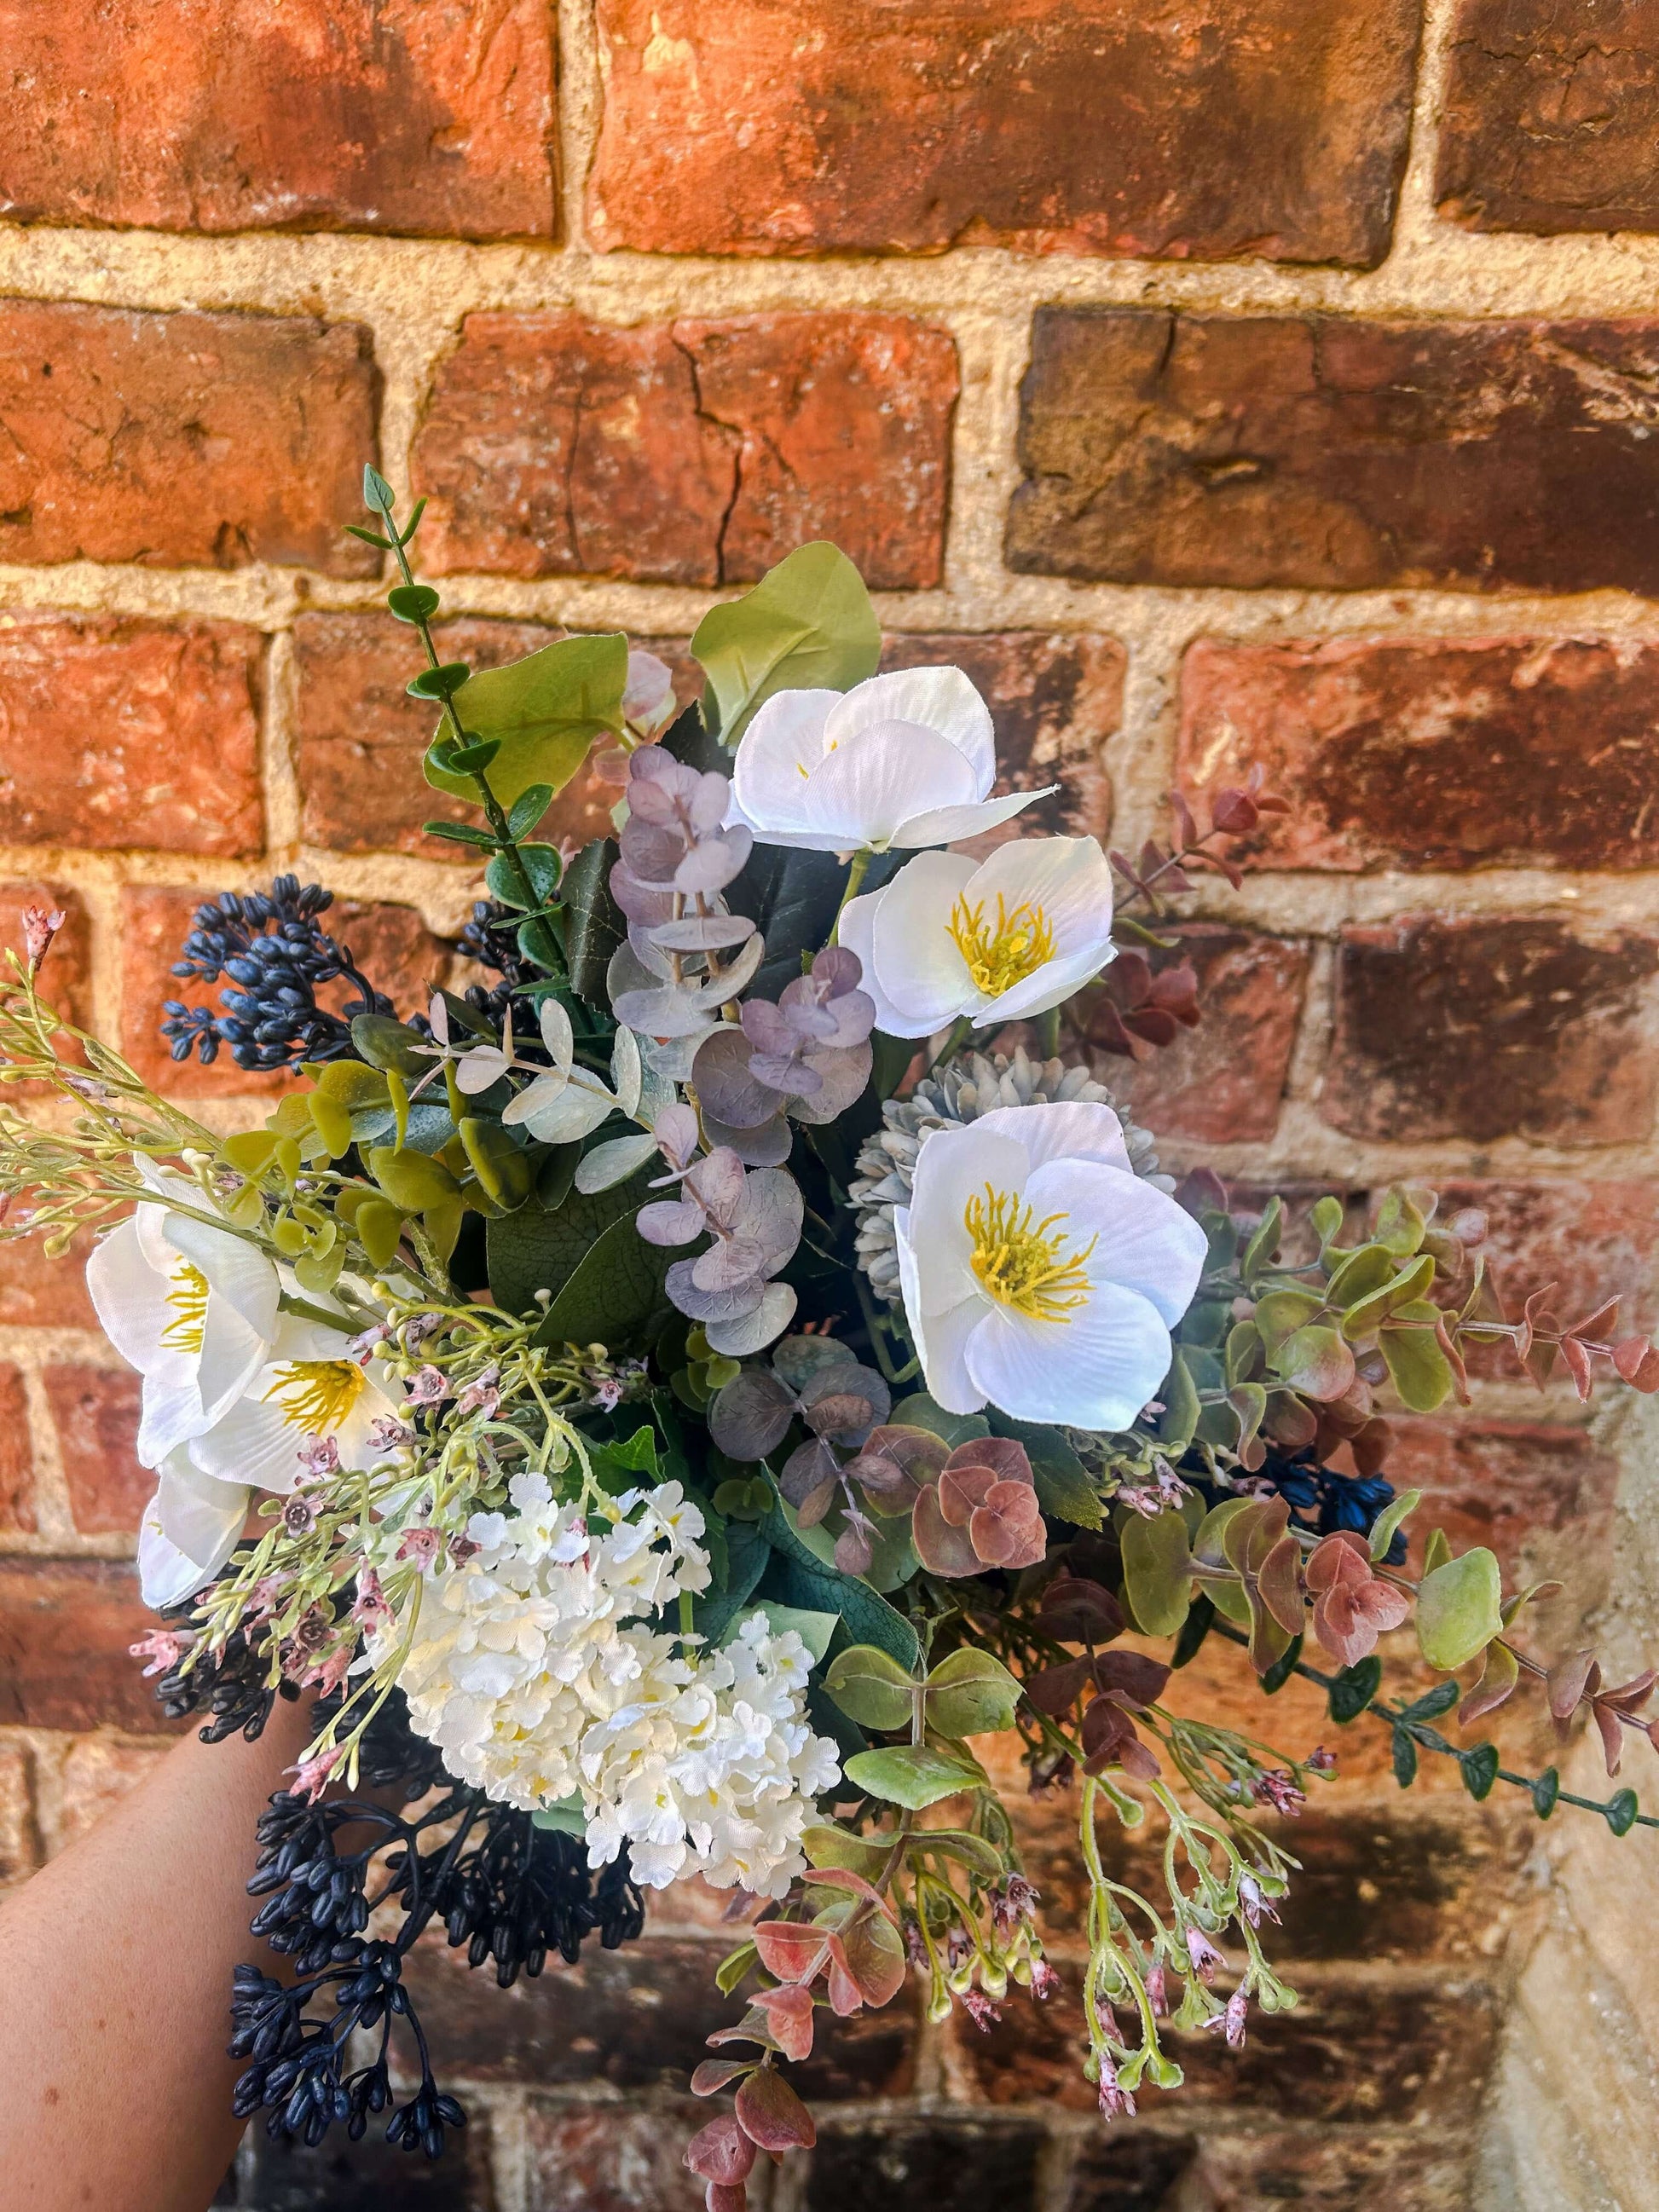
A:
x: 665, y: 1404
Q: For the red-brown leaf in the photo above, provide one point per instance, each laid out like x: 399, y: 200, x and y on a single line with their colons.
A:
x: 772, y: 2116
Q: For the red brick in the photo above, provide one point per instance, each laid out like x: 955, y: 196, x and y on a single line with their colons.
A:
x: 1549, y: 115
x: 1593, y: 1240
x: 399, y: 117
x: 967, y: 2163
x: 1348, y: 2170
x: 97, y: 1775
x: 1338, y: 452
x: 1222, y: 1082
x: 1434, y: 752
x: 1278, y: 130
x: 1350, y: 2052
x: 336, y: 2175
x: 399, y: 955
x: 65, y: 1625
x: 183, y: 440
x: 96, y: 1412
x: 1487, y: 1028
x: 42, y: 1293
x: 690, y: 452
x: 594, y: 2158
x: 1056, y: 700
x: 361, y: 736
x: 16, y: 1456
x: 19, y: 1846
x: 117, y: 734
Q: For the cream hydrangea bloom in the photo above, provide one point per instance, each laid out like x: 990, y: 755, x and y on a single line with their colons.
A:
x: 998, y: 941
x: 905, y: 760
x: 1040, y: 1274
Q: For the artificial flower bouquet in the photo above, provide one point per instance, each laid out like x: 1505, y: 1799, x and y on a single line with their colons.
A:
x: 664, y: 1404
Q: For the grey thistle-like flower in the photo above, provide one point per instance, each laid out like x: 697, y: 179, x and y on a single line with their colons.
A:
x: 807, y: 1057
x: 676, y: 858
x: 956, y: 1093
x: 755, y: 1223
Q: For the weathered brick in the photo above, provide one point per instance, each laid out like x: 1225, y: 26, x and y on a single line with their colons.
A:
x: 1222, y: 1082
x: 1055, y: 701
x: 1277, y: 131
x: 361, y: 736
x: 695, y: 452
x: 1593, y: 1239
x: 1128, y: 2167
x: 96, y: 1412
x: 1359, y: 2048
x: 97, y: 1772
x: 116, y: 733
x: 398, y: 952
x: 183, y: 440
x: 398, y: 116
x: 970, y: 2166
x: 635, y: 2018
x: 1337, y: 453
x: 65, y: 1625
x: 20, y: 1842
x: 1485, y: 1027
x: 338, y: 2176
x: 1548, y: 117
x: 1539, y: 1494
x: 17, y: 1453
x: 593, y: 2158
x: 1433, y: 752
x: 1345, y: 2169
x: 38, y: 1293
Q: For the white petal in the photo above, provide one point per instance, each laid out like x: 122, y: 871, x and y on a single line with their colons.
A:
x: 877, y: 778
x: 947, y: 824
x: 231, y: 1354
x: 1045, y: 986
x: 129, y: 1297
x: 1093, y: 1370
x: 193, y: 1515
x: 1144, y: 1241
x: 235, y: 1270
x: 1069, y: 1129
x: 613, y: 1163
x: 939, y: 698
x: 777, y: 753
x: 941, y: 1339
x: 918, y: 963
x: 166, y: 1575
x: 171, y: 1414
x: 954, y: 1167
x: 1069, y: 878
x: 255, y: 1444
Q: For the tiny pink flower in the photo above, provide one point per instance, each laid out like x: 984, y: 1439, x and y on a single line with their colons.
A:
x: 423, y: 1545
x: 362, y: 1346
x: 1157, y: 1994
x: 1278, y: 1789
x: 1230, y: 2023
x: 1114, y: 2101
x: 481, y: 1395
x: 980, y: 2009
x: 462, y: 1548
x: 1321, y: 1762
x: 163, y: 1647
x: 386, y: 1435
x: 428, y: 1387
x: 1203, y: 1953
x: 319, y: 1457
x: 1253, y: 1900
x: 607, y: 1394
x: 299, y: 1516
x: 311, y: 1776
x: 40, y: 925
x: 1045, y: 1982
x: 418, y: 1327
x: 369, y: 1608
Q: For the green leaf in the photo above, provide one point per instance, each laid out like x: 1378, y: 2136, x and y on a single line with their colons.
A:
x: 808, y: 622
x: 1282, y: 1668
x: 1430, y: 1706
x: 1405, y: 1757
x: 385, y: 1043
x: 1622, y: 1808
x: 1389, y: 1518
x: 504, y: 1172
x: 411, y: 1180
x: 1180, y: 1400
x: 462, y: 833
x: 814, y: 1629
x: 545, y: 710
x: 1353, y: 1689
x: 912, y: 1775
x: 1417, y: 1367
x: 1479, y: 1768
x: 1437, y: 1551
x: 919, y: 1410
x: 540, y: 864
x: 747, y: 1555
x: 442, y: 683
x: 528, y: 808
x: 593, y: 924
x: 1279, y: 1314
x: 613, y: 1290
x: 1316, y: 1362
x: 968, y: 1849
x: 1063, y: 1487
x: 971, y: 1693
x: 871, y: 1688
x: 1264, y: 1242
x: 1545, y: 1791
x: 734, y: 1965
x: 1458, y: 1609
x: 1326, y: 1216
x: 801, y: 1577
x: 533, y: 1249
x: 1361, y: 1273
x: 826, y: 1846
x: 1194, y: 1630
x: 377, y: 495
x: 1158, y: 1572
x: 567, y: 1816
x: 1368, y: 1313
x: 792, y: 898
x: 413, y: 603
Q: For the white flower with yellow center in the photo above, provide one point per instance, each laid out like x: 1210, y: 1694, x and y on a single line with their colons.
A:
x: 998, y: 941
x: 188, y: 1530
x: 309, y: 1391
x: 1040, y: 1274
x: 904, y: 760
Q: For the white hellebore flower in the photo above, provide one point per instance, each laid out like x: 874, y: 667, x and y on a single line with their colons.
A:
x: 997, y: 942
x: 310, y: 1391
x: 905, y: 760
x: 1040, y: 1273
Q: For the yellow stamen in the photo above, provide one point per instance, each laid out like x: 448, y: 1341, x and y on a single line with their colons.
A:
x: 189, y: 1299
x: 1001, y: 955
x: 316, y: 1394
x: 1023, y: 1263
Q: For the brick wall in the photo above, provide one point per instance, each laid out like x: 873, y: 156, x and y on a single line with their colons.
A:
x: 1273, y: 380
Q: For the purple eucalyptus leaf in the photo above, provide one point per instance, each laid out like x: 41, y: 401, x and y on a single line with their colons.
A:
x: 767, y: 1145
x: 724, y: 1087
x: 708, y: 1306
x: 806, y: 1470
x: 677, y: 1134
x: 789, y: 1076
x: 701, y: 933
x: 671, y: 1221
x: 753, y: 1332
x: 720, y: 1185
x: 730, y: 1263
x: 704, y: 807
x: 844, y: 1072
x: 751, y: 1416
x: 771, y: 1216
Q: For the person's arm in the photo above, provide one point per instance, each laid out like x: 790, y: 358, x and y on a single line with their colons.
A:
x: 115, y: 1979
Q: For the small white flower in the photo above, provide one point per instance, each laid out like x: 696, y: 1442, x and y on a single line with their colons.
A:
x: 1040, y: 1274
x: 998, y: 942
x: 906, y: 759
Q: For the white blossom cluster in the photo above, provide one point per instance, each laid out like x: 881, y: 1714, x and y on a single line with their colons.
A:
x: 534, y: 1669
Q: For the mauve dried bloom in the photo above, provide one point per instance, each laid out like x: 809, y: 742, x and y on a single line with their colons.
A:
x: 40, y: 925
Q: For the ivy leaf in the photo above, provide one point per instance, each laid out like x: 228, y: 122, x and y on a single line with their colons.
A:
x: 913, y: 1775
x: 814, y: 1629
x: 793, y: 899
x: 594, y: 925
x: 612, y: 1291
x: 747, y: 1555
x: 1459, y: 1609
x: 533, y: 1249
x: 920, y: 1411
x: 799, y: 1578
x: 544, y: 711
x: 1479, y: 1768
x: 808, y: 624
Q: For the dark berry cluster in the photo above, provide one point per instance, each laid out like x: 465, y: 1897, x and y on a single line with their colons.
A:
x: 274, y: 957
x: 490, y: 940
x: 1323, y: 1501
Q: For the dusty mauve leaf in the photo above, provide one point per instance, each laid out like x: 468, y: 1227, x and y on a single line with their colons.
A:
x: 772, y: 2116
x: 721, y: 2152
